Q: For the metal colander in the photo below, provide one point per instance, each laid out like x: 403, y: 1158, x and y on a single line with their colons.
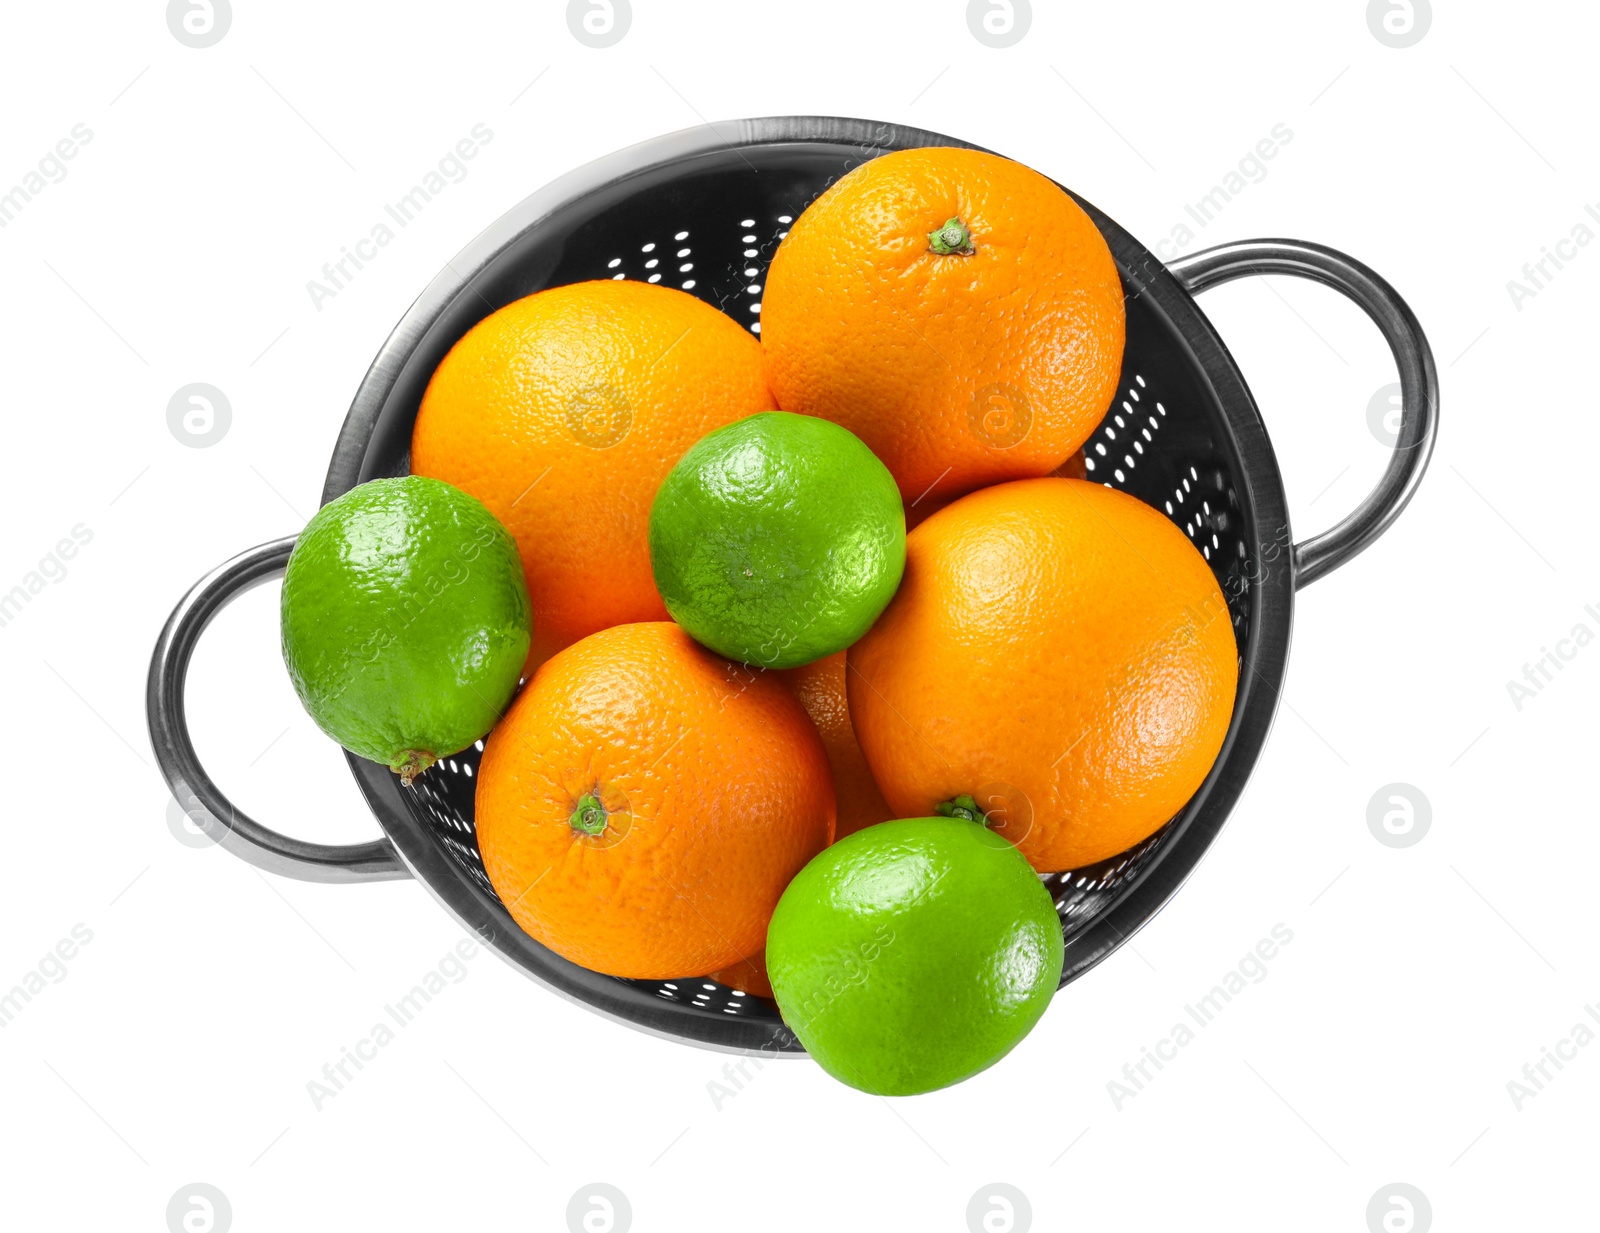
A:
x: 704, y: 210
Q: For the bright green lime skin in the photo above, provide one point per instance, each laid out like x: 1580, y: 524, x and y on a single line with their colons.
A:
x: 405, y: 620
x: 913, y: 954
x: 778, y: 539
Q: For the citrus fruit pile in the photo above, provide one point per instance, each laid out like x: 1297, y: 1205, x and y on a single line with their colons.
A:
x: 762, y: 731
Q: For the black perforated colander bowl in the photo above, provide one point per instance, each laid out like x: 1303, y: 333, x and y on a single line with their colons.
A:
x: 704, y: 210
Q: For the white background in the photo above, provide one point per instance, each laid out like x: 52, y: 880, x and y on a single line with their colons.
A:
x: 1378, y: 1049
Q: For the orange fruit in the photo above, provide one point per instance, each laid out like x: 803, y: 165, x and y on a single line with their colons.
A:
x: 820, y: 686
x: 1060, y: 653
x: 563, y: 412
x: 644, y: 802
x: 959, y: 365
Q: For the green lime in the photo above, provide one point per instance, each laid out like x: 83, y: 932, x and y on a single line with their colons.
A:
x: 405, y: 621
x: 913, y: 954
x: 778, y: 539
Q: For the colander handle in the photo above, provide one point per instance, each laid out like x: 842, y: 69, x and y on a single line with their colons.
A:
x: 373, y: 861
x: 1419, y: 383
